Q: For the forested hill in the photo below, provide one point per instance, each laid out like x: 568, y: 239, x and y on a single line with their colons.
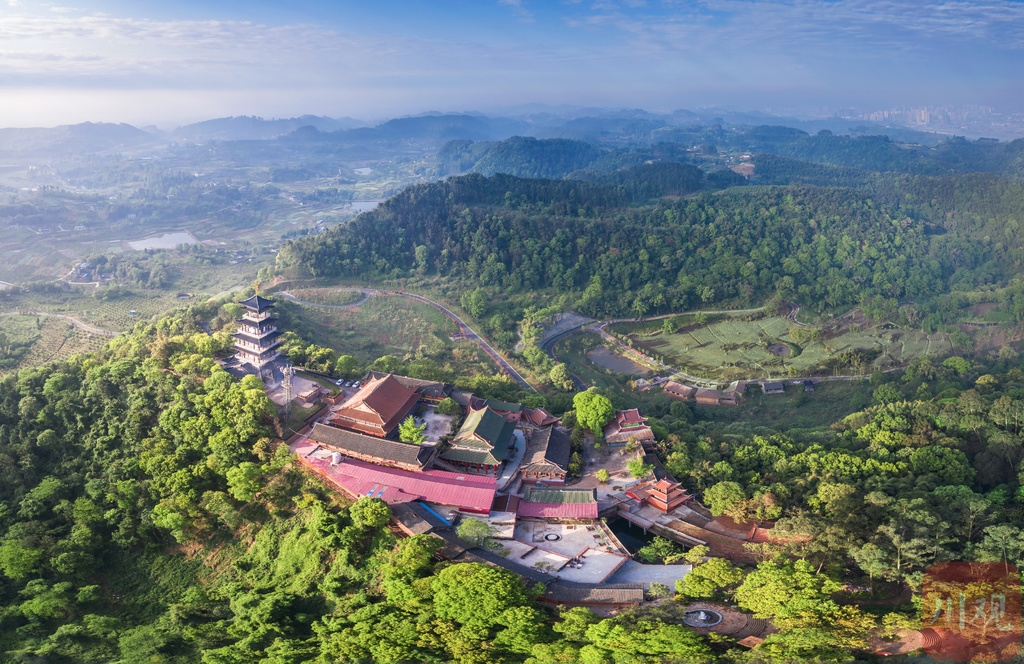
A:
x: 902, y: 238
x: 880, y: 154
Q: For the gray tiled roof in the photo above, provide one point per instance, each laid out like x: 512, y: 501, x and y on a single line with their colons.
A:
x: 547, y: 450
x: 607, y: 593
x: 343, y: 440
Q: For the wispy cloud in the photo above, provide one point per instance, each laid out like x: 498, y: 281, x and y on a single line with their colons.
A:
x: 661, y: 53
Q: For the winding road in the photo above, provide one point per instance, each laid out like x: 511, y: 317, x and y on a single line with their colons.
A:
x: 465, y: 329
x: 74, y: 321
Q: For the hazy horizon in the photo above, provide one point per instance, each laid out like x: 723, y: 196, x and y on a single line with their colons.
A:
x: 144, y: 63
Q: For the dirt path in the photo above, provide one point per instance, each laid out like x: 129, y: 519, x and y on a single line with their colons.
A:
x: 74, y: 321
x: 461, y: 324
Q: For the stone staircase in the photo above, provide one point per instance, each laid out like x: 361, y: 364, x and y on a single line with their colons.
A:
x: 753, y: 627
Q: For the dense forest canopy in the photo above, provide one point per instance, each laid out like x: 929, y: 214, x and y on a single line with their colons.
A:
x: 907, y: 238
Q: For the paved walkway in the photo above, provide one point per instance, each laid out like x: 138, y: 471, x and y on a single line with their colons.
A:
x: 636, y: 572
x: 512, y: 466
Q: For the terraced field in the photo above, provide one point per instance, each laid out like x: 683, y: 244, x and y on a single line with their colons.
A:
x: 31, y: 341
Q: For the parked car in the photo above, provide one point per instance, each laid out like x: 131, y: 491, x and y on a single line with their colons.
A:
x: 340, y: 382
x: 348, y: 383
x: 356, y: 384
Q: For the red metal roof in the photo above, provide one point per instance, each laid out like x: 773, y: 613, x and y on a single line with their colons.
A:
x: 471, y: 493
x: 558, y: 510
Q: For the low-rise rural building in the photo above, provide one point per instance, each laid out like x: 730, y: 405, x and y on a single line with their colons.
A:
x: 773, y: 387
x: 482, y: 443
x: 707, y: 396
x: 625, y: 425
x: 678, y: 390
x: 547, y: 456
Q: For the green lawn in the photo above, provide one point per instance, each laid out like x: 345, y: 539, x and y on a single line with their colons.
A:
x: 386, y: 325
x: 731, y: 349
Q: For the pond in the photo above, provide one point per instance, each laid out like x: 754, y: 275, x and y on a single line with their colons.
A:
x: 163, y: 241
x: 612, y: 361
x: 632, y: 537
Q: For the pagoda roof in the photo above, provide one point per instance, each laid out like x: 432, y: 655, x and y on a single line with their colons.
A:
x: 263, y: 341
x: 257, y: 304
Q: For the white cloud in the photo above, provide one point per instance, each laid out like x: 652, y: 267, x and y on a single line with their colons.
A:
x: 614, y: 52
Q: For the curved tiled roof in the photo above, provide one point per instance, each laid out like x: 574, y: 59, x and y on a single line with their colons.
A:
x: 370, y: 446
x: 547, y: 451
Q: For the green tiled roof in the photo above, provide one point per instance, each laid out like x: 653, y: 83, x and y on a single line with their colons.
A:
x: 485, y: 429
x: 483, y: 438
x: 560, y: 496
x: 504, y: 406
x: 469, y: 456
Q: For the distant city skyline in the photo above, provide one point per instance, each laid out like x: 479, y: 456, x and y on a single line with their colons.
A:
x: 147, y: 62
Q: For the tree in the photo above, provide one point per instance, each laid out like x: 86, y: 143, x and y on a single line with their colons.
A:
x: 660, y: 550
x: 561, y: 378
x: 658, y: 590
x: 1003, y: 543
x: 886, y: 393
x: 475, y: 530
x: 387, y: 364
x: 696, y: 555
x: 602, y: 475
x: 346, y: 367
x: 872, y: 559
x: 369, y: 512
x: 724, y: 497
x: 639, y: 469
x: 705, y: 580
x: 575, y: 622
x: 593, y: 410
x: 476, y: 594
x: 408, y: 432
x: 475, y: 302
x: 624, y: 640
x: 448, y: 406
x: 242, y: 481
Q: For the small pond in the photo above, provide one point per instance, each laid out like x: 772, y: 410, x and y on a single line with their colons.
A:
x: 632, y: 537
x: 612, y: 361
x: 163, y: 241
x: 782, y: 350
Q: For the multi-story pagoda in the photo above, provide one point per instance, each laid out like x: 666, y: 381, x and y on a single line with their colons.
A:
x: 256, y: 340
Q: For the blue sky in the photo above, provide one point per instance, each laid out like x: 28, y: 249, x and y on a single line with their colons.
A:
x: 165, y: 63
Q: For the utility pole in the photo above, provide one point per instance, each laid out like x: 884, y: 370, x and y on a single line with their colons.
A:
x: 287, y: 383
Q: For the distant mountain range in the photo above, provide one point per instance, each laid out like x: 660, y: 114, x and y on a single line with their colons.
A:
x: 619, y: 128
